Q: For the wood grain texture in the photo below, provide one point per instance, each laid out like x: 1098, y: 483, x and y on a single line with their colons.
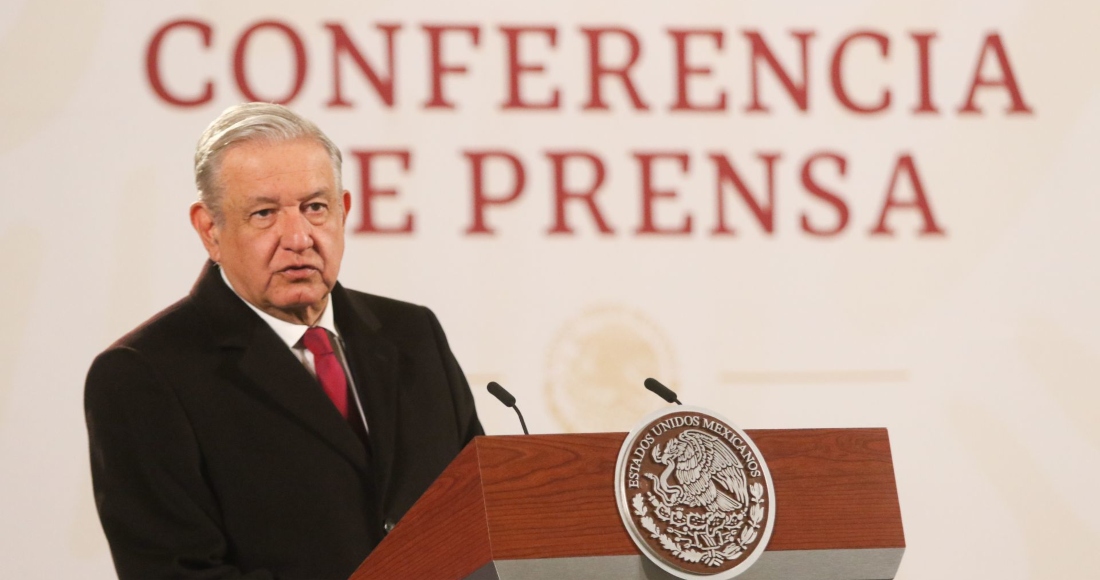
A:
x: 552, y: 496
x: 834, y: 488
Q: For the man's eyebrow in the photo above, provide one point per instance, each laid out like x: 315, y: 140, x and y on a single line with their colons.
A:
x: 262, y: 199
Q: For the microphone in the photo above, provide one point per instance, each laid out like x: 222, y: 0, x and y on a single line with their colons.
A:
x: 509, y: 401
x: 662, y: 391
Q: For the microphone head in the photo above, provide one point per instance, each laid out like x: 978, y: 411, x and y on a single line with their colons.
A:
x: 502, y: 395
x: 661, y: 390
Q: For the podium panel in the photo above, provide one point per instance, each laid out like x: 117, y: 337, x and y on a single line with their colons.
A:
x: 543, y: 506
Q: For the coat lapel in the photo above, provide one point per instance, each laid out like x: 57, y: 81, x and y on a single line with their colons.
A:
x: 374, y: 362
x: 269, y: 370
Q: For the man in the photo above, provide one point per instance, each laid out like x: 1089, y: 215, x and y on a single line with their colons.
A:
x: 272, y: 424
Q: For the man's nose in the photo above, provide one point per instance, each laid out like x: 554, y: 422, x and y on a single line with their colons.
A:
x: 297, y: 233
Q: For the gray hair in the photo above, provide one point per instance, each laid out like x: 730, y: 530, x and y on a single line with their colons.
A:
x: 250, y: 122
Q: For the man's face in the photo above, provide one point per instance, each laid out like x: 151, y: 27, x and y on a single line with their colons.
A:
x: 282, y: 237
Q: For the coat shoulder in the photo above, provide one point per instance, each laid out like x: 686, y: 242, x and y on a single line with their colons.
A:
x: 382, y: 303
x: 168, y: 330
x: 387, y: 312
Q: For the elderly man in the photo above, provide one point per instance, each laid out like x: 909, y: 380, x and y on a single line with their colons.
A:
x: 272, y: 424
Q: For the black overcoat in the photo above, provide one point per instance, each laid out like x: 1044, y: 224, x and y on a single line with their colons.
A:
x: 215, y: 454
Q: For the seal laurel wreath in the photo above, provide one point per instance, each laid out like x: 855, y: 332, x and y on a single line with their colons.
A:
x: 712, y: 538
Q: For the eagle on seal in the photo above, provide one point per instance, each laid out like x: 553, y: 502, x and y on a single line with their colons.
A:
x: 699, y: 460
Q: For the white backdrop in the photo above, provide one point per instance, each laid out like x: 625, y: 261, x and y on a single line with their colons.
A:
x: 977, y: 347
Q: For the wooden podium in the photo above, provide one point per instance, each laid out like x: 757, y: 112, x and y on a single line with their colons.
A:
x: 543, y: 507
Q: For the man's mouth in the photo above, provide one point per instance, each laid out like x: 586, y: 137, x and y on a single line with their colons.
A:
x: 298, y: 271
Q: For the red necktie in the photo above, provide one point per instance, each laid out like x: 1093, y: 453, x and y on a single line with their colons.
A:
x: 329, y: 371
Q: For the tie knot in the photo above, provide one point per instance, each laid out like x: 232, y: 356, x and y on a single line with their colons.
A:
x: 316, y: 340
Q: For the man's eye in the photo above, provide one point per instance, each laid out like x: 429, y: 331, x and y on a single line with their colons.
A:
x: 316, y: 207
x: 263, y: 213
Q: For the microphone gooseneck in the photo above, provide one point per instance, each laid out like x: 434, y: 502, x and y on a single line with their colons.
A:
x: 508, y: 400
x: 662, y: 391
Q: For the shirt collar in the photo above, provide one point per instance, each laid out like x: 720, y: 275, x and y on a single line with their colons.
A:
x: 289, y: 332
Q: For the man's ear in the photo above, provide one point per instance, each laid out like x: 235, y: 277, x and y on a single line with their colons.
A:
x: 347, y: 205
x: 202, y: 219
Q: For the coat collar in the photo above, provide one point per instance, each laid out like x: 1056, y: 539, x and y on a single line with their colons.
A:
x: 272, y: 373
